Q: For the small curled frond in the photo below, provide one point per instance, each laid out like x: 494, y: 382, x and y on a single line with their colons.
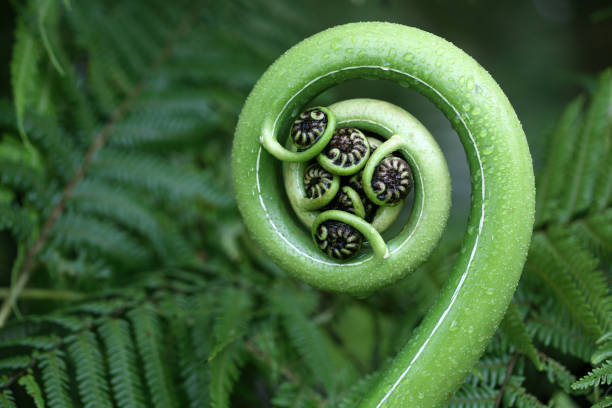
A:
x: 348, y: 200
x: 338, y: 240
x: 346, y: 153
x: 392, y: 180
x: 308, y: 127
x: 317, y: 181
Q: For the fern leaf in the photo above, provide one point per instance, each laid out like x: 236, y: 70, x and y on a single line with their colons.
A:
x: 24, y: 73
x: 159, y: 177
x: 558, y: 330
x: 516, y: 396
x: 7, y: 400
x: 55, y: 379
x: 149, y: 339
x: 557, y: 373
x: 121, y: 360
x: 588, y: 150
x: 601, y: 375
x: 74, y: 231
x: 47, y: 20
x: 289, y: 395
x: 31, y: 386
x: 356, y: 392
x: 568, y: 271
x: 224, y: 370
x: 306, y: 337
x: 515, y: 329
x: 16, y: 362
x: 234, y: 312
x: 490, y: 371
x: 598, y: 127
x: 190, y: 353
x: 604, y: 403
x: 91, y: 375
x: 470, y: 396
x: 551, y: 182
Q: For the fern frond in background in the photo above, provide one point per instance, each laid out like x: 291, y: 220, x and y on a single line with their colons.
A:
x: 133, y: 283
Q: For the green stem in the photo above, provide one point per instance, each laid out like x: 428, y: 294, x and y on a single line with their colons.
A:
x: 43, y: 294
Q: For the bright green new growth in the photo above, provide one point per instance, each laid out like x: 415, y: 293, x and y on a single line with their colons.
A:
x: 473, y: 301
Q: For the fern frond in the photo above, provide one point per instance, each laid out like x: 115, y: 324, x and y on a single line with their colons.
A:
x: 7, y: 400
x: 568, y: 270
x: 289, y: 395
x: 31, y: 386
x: 471, y: 396
x: 160, y: 178
x: 55, y: 378
x: 557, y: 329
x: 600, y: 375
x: 91, y: 374
x: 557, y: 373
x: 224, y: 370
x: 489, y: 372
x: 306, y: 337
x: 604, y: 403
x: 121, y: 360
x: 48, y: 12
x: 147, y: 332
x: 515, y: 395
x: 75, y: 231
x: 25, y: 76
x: 513, y: 327
x: 15, y: 363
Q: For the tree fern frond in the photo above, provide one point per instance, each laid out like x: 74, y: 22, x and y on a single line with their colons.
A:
x: 470, y: 396
x: 47, y: 25
x: 568, y: 271
x: 7, y: 400
x: 224, y: 370
x: 55, y: 378
x: 16, y: 220
x: 125, y: 208
x: 606, y: 402
x: 515, y: 395
x: 31, y: 386
x: 588, y: 149
x: 358, y: 390
x: 16, y: 362
x: 148, y: 335
x: 290, y: 395
x: 600, y: 375
x: 306, y: 337
x: 557, y: 373
x: 121, y: 360
x: 25, y: 76
x: 234, y: 312
x: 489, y: 372
x: 595, y: 141
x: 513, y: 327
x: 191, y: 353
x: 557, y: 329
x: 159, y: 178
x: 75, y: 231
x: 91, y: 375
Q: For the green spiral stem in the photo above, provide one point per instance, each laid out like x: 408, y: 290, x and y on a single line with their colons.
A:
x: 452, y: 336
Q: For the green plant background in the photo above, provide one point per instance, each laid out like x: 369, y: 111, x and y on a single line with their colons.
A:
x: 140, y: 285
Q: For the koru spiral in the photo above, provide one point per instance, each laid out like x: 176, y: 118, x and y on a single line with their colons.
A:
x: 348, y: 169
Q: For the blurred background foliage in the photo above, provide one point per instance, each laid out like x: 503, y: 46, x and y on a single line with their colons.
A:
x: 117, y: 217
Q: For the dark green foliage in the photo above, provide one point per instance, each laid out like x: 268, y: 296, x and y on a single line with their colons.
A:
x: 142, y: 287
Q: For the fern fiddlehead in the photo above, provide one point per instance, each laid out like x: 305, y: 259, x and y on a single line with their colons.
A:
x: 472, y: 302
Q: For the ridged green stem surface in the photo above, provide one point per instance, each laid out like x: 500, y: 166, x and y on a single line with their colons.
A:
x: 473, y: 301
